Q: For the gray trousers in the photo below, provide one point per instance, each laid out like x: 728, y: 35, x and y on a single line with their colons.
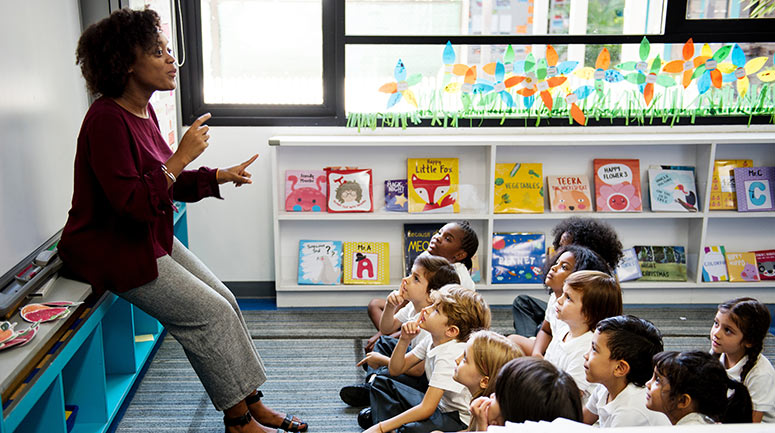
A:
x: 203, y: 316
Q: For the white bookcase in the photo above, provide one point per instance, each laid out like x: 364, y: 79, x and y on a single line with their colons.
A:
x: 562, y: 151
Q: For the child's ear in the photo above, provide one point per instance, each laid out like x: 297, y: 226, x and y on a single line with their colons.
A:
x: 460, y: 255
x: 684, y: 401
x: 484, y: 382
x: 452, y: 331
x: 622, y: 368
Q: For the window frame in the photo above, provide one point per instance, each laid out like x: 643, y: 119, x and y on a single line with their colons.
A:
x: 678, y: 29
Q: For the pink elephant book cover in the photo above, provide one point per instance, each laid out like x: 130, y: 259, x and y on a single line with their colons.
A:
x: 617, y: 185
x: 305, y: 191
x: 742, y: 267
x: 366, y: 263
x: 571, y: 193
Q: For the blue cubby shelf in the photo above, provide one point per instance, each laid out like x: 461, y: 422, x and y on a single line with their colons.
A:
x: 180, y: 223
x: 94, y: 369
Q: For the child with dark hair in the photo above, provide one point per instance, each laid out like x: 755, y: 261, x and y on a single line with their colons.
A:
x: 598, y: 236
x: 693, y: 388
x: 737, y: 339
x: 620, y: 361
x: 528, y: 389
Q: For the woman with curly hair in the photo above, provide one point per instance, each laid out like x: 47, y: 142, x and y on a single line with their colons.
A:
x: 119, y: 232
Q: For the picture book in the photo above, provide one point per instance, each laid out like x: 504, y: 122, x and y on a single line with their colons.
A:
x: 723, y: 195
x: 628, y: 268
x: 416, y: 239
x: 754, y: 187
x: 476, y: 270
x: 617, y: 185
x: 395, y: 196
x: 519, y: 188
x: 366, y: 263
x: 765, y: 259
x: 305, y: 191
x: 672, y: 190
x: 432, y: 184
x: 517, y: 257
x: 349, y: 189
x: 569, y: 193
x: 320, y: 262
x: 662, y: 263
x: 714, y: 264
x: 742, y: 267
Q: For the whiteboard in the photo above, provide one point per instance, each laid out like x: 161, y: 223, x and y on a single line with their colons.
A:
x: 42, y: 105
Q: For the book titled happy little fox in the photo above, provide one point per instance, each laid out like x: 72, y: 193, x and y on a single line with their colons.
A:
x: 432, y: 184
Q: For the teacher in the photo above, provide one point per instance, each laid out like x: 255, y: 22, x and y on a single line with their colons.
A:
x: 118, y: 234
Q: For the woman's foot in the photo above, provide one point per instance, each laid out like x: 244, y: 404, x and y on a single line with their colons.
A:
x: 243, y: 423
x: 270, y: 417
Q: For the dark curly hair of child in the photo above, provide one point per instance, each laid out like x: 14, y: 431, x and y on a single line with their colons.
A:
x: 108, y: 49
x: 469, y: 243
x: 594, y: 234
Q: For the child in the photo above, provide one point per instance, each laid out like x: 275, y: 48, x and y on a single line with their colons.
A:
x: 528, y: 389
x: 429, y: 273
x: 620, y: 360
x: 486, y: 352
x: 737, y: 338
x: 594, y: 234
x: 587, y: 298
x: 568, y: 259
x: 692, y: 388
x: 455, y: 313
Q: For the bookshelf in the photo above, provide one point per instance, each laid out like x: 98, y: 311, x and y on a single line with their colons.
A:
x: 562, y: 151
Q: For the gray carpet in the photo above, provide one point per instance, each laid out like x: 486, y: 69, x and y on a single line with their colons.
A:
x: 311, y: 353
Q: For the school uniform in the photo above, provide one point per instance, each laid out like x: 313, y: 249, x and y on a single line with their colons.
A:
x: 464, y: 275
x: 567, y: 354
x: 627, y: 409
x: 760, y: 382
x: 695, y: 418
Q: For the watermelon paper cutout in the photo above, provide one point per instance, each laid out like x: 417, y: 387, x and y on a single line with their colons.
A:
x: 6, y: 331
x: 22, y: 337
x: 61, y: 304
x: 42, y: 313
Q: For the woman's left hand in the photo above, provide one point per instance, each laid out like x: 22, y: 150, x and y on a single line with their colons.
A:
x: 236, y: 174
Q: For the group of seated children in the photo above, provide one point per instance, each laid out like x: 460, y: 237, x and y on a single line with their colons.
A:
x: 445, y: 371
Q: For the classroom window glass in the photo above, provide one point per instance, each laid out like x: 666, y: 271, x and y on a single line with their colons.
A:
x: 726, y: 9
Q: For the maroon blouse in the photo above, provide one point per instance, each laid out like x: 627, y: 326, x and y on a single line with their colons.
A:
x: 120, y: 221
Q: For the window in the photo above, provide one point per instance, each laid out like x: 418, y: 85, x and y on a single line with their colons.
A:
x: 330, y: 62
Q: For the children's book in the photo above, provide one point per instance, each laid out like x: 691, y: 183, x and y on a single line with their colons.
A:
x: 517, y: 257
x: 742, y: 267
x: 617, y: 185
x: 519, y: 188
x: 569, y: 193
x: 395, y: 196
x: 476, y: 270
x: 672, y: 190
x: 628, y: 268
x: 366, y: 263
x: 320, y: 262
x: 714, y: 264
x: 765, y: 259
x: 305, y: 191
x: 416, y: 240
x: 662, y: 263
x: 349, y: 189
x: 432, y: 184
x: 723, y: 195
x: 754, y: 187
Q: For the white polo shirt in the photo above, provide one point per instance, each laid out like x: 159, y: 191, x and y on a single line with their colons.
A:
x: 568, y: 356
x: 465, y: 276
x: 439, y: 369
x: 627, y: 409
x: 407, y: 314
x: 695, y: 418
x: 760, y: 382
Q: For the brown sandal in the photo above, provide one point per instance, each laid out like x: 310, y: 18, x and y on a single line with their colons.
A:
x: 288, y: 424
x: 240, y: 420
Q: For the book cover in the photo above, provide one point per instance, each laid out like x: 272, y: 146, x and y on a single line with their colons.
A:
x: 395, y: 196
x: 569, y: 193
x: 320, y: 262
x: 628, y: 268
x: 519, y: 188
x: 432, y: 184
x: 765, y: 259
x: 305, y: 191
x: 672, y: 190
x: 723, y: 195
x: 742, y: 267
x: 662, y: 263
x: 476, y: 270
x: 617, y: 185
x: 349, y: 189
x: 714, y: 264
x: 416, y: 239
x: 754, y: 187
x: 517, y: 257
x: 366, y: 263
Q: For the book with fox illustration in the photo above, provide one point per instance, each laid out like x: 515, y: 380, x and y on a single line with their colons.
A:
x: 366, y: 263
x: 519, y: 188
x: 432, y: 184
x: 569, y: 193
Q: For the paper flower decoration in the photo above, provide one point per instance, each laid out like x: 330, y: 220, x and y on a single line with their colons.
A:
x: 647, y: 80
x: 450, y: 67
x: 572, y: 98
x: 767, y: 76
x: 708, y: 72
x: 499, y: 86
x: 739, y: 70
x: 687, y: 65
x: 400, y: 87
x: 546, y: 78
x: 603, y: 71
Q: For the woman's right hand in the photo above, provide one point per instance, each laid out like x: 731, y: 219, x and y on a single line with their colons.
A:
x: 194, y: 141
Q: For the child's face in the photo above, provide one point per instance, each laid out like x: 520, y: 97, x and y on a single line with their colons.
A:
x: 569, y: 306
x: 466, y: 371
x: 560, y: 271
x: 415, y: 286
x: 598, y: 365
x: 658, y: 392
x: 726, y: 337
x: 448, y: 243
x: 433, y: 320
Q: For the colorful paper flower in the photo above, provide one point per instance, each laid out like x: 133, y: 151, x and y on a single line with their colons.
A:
x: 687, y: 65
x: 400, y: 87
x: 738, y: 69
x: 450, y: 67
x: 546, y: 78
x: 499, y: 86
x: 708, y: 72
x: 572, y: 98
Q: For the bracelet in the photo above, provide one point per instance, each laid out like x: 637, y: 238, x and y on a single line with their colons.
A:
x: 169, y: 175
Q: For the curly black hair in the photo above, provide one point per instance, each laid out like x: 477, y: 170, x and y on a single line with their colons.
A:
x: 469, y: 243
x: 107, y: 49
x: 594, y: 234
